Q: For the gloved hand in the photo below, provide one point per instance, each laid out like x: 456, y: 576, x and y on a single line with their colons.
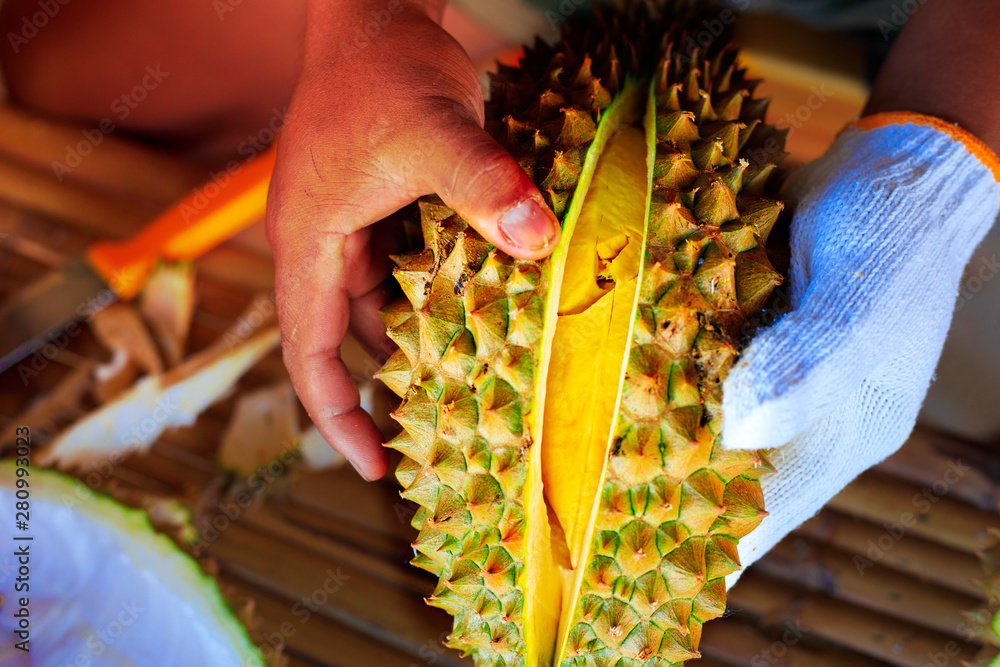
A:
x: 886, y: 222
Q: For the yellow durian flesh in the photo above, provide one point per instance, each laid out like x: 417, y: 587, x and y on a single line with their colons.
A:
x: 586, y: 363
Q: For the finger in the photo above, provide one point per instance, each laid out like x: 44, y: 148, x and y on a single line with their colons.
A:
x: 474, y: 175
x: 316, y: 276
x: 366, y: 322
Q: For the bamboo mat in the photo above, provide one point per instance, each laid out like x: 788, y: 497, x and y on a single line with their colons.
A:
x: 325, y: 558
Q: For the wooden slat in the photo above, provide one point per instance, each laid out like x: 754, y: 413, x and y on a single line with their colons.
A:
x: 937, y: 518
x: 334, y: 493
x: 118, y: 166
x: 708, y: 662
x: 357, y: 600
x: 384, y: 556
x: 890, y: 639
x: 311, y: 636
x: 740, y: 643
x: 931, y: 458
x: 928, y: 561
x: 396, y: 573
x: 81, y: 209
x: 866, y: 583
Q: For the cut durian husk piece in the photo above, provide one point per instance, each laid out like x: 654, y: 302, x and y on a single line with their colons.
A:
x: 264, y: 427
x: 139, y: 416
x: 122, y: 331
x: 167, y: 304
x: 562, y: 417
x: 107, y: 588
x: 317, y: 453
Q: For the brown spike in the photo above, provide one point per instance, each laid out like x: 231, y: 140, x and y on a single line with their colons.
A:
x: 727, y: 135
x: 746, y: 132
x: 677, y: 128
x: 755, y: 108
x: 515, y: 131
x: 734, y: 177
x: 564, y: 170
x: 692, y: 90
x: 614, y: 76
x: 703, y: 111
x: 709, y: 154
x: 547, y: 106
x: 662, y: 78
x: 761, y: 213
x: 730, y: 106
x: 716, y: 204
x: 540, y: 143
x: 558, y: 200
x: 756, y: 279
x: 722, y: 83
x: 584, y: 75
x: 673, y: 169
x: 413, y: 272
x: 573, y: 127
x: 756, y: 178
x: 593, y: 96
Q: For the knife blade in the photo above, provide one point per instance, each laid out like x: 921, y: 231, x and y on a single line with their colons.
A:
x: 42, y: 312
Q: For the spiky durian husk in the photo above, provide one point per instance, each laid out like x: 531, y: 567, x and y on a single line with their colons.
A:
x: 673, y: 503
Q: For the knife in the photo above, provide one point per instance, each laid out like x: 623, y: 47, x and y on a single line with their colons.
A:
x: 43, y: 311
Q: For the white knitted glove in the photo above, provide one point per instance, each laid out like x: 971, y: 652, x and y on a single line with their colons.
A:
x: 885, y: 224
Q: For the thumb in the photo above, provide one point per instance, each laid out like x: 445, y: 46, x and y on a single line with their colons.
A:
x: 478, y: 178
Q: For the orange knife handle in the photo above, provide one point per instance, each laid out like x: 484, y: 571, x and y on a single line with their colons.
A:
x: 210, y: 214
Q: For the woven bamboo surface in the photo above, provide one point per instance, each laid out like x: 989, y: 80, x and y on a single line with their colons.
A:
x: 326, y: 558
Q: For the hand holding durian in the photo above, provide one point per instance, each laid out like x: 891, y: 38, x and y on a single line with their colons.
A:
x: 885, y: 224
x: 370, y: 129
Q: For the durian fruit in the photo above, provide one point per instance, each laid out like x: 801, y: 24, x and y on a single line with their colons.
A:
x: 561, y: 417
x: 87, y: 580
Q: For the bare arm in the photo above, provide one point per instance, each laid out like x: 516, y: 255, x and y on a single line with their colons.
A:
x: 944, y: 64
